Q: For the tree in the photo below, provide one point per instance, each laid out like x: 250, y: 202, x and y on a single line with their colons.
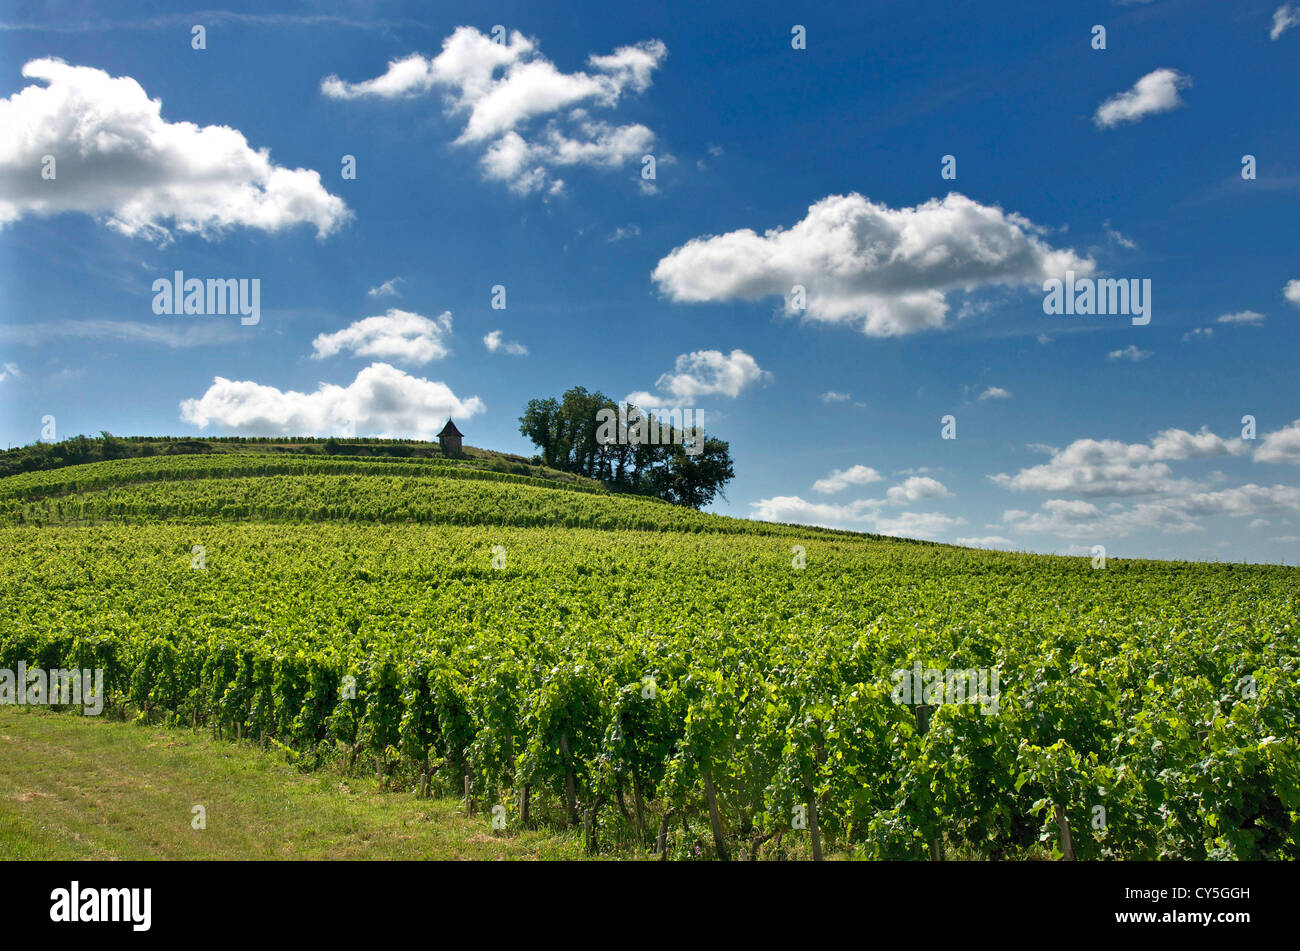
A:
x: 539, y: 424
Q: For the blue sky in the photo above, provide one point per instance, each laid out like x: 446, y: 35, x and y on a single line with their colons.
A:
x: 520, y: 164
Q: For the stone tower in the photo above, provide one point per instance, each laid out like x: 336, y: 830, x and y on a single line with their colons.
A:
x: 449, y: 439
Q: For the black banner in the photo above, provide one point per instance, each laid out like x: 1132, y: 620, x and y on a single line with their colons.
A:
x: 140, y: 900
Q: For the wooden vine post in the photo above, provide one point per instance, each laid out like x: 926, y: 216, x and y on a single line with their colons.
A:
x: 922, y: 713
x: 715, y: 817
x: 1067, y: 844
x: 812, y: 805
x: 570, y: 783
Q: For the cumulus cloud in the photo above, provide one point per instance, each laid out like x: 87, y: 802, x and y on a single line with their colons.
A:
x: 843, y: 478
x: 1206, y: 332
x: 928, y: 525
x: 887, y: 271
x: 864, y: 514
x: 1292, y: 292
x: 398, y: 334
x: 703, y: 373
x: 1284, y: 17
x: 527, y: 116
x: 915, y: 489
x: 986, y: 541
x: 1174, y: 515
x: 9, y: 371
x: 1098, y: 468
x: 381, y: 401
x: 494, y: 343
x: 995, y: 393
x: 117, y: 159
x: 832, y: 397
x: 1282, y: 445
x: 1109, y: 467
x: 792, y: 508
x: 861, y: 515
x: 1242, y: 317
x: 1155, y: 92
x: 1131, y: 352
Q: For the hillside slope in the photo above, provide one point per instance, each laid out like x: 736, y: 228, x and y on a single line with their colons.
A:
x: 652, y: 673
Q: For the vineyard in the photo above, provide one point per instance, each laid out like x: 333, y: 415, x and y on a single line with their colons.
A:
x: 675, y: 684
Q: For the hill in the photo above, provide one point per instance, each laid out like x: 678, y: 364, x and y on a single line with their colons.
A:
x: 80, y: 450
x: 662, y: 677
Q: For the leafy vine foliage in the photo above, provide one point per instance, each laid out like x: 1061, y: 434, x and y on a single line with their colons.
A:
x: 663, y: 679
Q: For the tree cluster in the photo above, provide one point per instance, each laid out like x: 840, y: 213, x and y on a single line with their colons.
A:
x: 637, y: 453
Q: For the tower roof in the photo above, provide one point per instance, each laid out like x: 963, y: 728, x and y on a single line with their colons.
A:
x: 450, y: 429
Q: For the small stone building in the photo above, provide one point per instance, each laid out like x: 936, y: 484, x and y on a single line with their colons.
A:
x: 449, y: 439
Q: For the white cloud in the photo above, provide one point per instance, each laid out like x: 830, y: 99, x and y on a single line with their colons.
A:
x: 792, y: 508
x: 1282, y: 445
x: 1099, y: 468
x: 9, y: 371
x: 1174, y: 515
x: 1242, y: 317
x: 1122, y: 240
x: 915, y: 489
x: 1109, y: 467
x: 398, y: 334
x: 886, y: 270
x: 703, y: 373
x: 494, y: 343
x: 1284, y: 17
x: 1131, y: 352
x: 1292, y: 292
x: 118, y: 159
x: 862, y: 515
x: 505, y: 89
x: 928, y: 525
x: 1198, y: 332
x: 624, y: 232
x: 986, y: 541
x: 843, y: 478
x: 1155, y: 92
x: 386, y: 289
x: 995, y: 393
x: 1179, y: 444
x: 177, y: 335
x: 832, y: 397
x: 381, y: 401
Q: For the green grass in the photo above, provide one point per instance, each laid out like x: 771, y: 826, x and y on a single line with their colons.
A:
x: 74, y: 787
